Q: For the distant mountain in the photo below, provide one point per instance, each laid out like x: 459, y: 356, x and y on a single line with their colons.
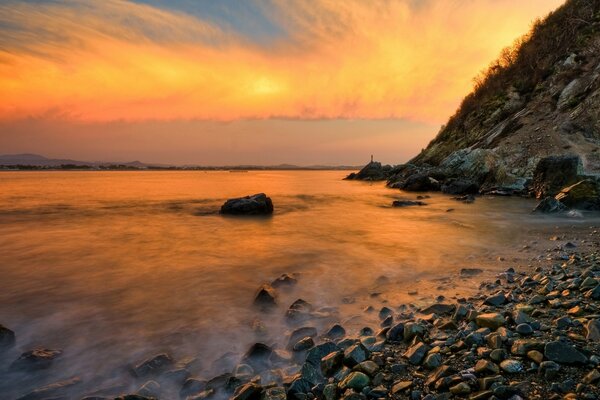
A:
x: 36, y: 160
x: 41, y: 162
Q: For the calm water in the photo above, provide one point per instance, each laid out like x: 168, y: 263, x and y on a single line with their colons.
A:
x: 113, y: 267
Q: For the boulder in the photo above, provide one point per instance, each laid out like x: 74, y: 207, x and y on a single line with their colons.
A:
x: 258, y: 356
x: 36, y: 359
x: 563, y: 353
x: 52, y: 390
x: 554, y: 173
x: 407, y: 203
x: 592, y: 330
x: 153, y: 366
x: 373, y: 171
x: 477, y: 165
x: 265, y: 297
x: 582, y: 195
x: 420, y: 182
x: 549, y: 205
x: 459, y: 186
x: 258, y: 204
x: 7, y: 338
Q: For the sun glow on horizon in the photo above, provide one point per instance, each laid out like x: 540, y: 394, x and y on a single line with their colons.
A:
x: 394, y: 59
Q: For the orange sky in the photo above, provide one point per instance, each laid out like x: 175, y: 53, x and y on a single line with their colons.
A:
x: 91, y: 62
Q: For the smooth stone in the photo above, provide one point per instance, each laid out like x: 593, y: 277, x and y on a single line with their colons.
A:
x: 416, y: 353
x: 337, y: 331
x: 249, y: 391
x: 265, y: 296
x: 439, y: 309
x: 355, y: 380
x: 490, y: 320
x: 485, y: 367
x: 512, y: 366
x: 150, y: 389
x: 524, y: 329
x: 496, y: 300
x: 460, y: 389
x: 36, y: 359
x: 563, y: 353
x: 52, y: 390
x: 592, y: 330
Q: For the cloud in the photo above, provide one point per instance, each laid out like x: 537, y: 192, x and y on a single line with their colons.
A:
x: 118, y: 60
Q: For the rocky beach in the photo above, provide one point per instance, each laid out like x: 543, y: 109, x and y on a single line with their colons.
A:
x: 528, y: 329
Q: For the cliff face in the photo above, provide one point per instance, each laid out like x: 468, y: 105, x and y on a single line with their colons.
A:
x: 541, y: 98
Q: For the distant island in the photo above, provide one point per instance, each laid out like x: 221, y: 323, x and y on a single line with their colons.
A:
x: 36, y: 162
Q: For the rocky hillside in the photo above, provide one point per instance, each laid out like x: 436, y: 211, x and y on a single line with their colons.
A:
x: 540, y: 98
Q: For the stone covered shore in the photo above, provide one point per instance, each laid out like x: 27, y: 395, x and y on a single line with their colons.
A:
x: 527, y: 334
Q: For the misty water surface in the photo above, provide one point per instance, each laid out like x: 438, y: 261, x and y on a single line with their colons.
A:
x: 114, y: 267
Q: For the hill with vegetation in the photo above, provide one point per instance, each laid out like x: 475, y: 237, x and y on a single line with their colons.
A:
x: 540, y: 98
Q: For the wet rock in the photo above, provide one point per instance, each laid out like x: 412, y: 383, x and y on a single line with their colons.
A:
x: 524, y: 329
x: 549, y: 205
x: 332, y: 362
x: 249, y: 391
x: 316, y: 354
x: 460, y: 187
x: 592, y: 377
x: 177, y: 376
x: 496, y: 300
x: 284, y: 280
x: 373, y: 171
x: 355, y: 355
x: 439, y: 309
x: 300, y: 310
x: 7, y: 338
x: 368, y: 367
x: 594, y: 293
x: 149, y: 389
x: 192, y: 386
x: 401, y: 386
x: 301, y: 333
x: 521, y: 347
x: 485, y: 367
x: 549, y: 369
x: 36, y: 359
x: 582, y: 195
x: 330, y: 392
x: 470, y: 271
x: 53, y: 390
x: 275, y: 393
x: 258, y: 204
x: 416, y: 353
x: 460, y: 389
x: 385, y: 312
x: 412, y: 329
x: 407, y: 203
x: 432, y: 361
x: 535, y: 356
x: 299, y: 386
x: 490, y: 320
x: 563, y: 353
x: 336, y: 332
x: 265, y: 297
x: 420, y: 182
x: 304, y: 344
x: 258, y: 356
x: 554, y: 173
x: 355, y: 380
x: 511, y: 366
x: 396, y: 333
x: 592, y: 330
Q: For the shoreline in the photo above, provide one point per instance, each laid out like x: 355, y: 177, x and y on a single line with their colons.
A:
x: 413, y: 344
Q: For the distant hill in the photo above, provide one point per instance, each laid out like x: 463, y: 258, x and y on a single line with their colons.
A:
x: 540, y: 98
x: 36, y: 161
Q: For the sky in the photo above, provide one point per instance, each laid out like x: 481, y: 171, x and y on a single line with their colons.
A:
x: 243, y: 81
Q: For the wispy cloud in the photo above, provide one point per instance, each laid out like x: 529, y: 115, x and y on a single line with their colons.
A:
x: 118, y: 60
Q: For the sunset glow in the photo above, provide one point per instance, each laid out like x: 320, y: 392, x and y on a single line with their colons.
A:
x: 96, y: 62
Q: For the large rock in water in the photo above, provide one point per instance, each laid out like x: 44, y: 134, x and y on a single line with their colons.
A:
x: 258, y: 204
x: 550, y: 206
x: 554, y: 173
x: 582, y: 195
x: 7, y: 338
x: 373, y: 171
